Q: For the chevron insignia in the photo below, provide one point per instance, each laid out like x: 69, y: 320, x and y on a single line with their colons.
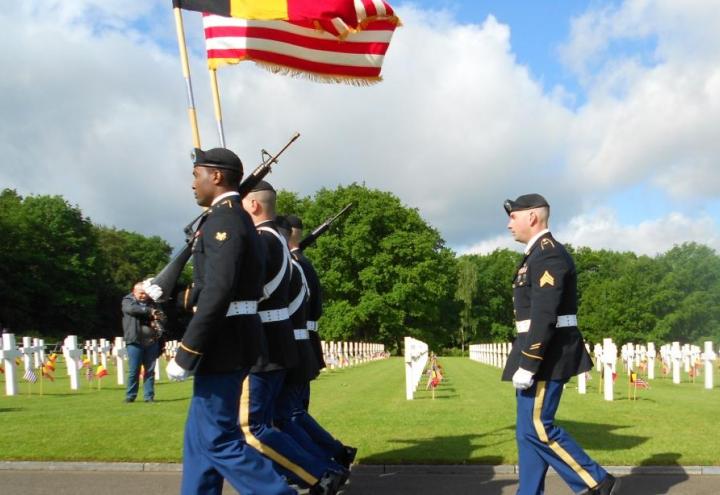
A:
x: 547, y: 279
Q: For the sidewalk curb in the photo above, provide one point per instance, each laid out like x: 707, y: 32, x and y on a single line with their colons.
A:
x: 365, y: 469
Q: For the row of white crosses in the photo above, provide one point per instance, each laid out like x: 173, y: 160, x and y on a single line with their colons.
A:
x: 416, y: 357
x: 344, y: 354
x: 32, y: 354
x: 606, y: 359
x: 491, y: 354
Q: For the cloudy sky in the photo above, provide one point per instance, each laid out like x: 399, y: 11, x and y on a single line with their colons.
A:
x: 609, y: 109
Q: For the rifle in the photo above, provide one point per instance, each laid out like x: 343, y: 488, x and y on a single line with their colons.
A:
x: 169, y: 275
x: 312, y: 236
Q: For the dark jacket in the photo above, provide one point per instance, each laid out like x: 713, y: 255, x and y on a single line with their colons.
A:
x: 545, y: 287
x: 308, y: 368
x: 313, y: 310
x: 228, y: 265
x: 280, y: 337
x: 136, y: 314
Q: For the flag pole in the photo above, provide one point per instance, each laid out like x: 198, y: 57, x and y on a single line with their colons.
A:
x: 186, y: 74
x: 216, y: 104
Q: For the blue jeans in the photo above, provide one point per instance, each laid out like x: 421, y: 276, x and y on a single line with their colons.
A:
x: 145, y: 356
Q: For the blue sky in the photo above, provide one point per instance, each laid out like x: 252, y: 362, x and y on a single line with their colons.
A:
x: 610, y: 109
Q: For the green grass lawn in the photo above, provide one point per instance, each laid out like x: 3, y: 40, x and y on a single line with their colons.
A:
x: 471, y: 419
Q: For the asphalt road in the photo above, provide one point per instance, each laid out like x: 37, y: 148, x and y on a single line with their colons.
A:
x: 366, y: 480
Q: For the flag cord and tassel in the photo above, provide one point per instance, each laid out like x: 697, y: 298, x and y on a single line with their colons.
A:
x: 216, y: 105
x: 186, y: 74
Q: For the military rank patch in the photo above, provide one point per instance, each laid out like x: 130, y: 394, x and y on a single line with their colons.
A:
x: 546, y: 243
x: 547, y: 279
x: 221, y: 236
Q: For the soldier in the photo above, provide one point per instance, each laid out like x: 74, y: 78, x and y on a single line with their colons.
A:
x: 264, y: 383
x: 343, y: 454
x: 548, y: 350
x: 224, y: 336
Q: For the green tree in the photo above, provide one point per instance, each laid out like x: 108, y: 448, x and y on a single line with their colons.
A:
x: 385, y: 272
x: 49, y: 265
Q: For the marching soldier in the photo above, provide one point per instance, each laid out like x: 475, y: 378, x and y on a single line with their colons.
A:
x: 224, y: 337
x: 264, y: 383
x: 343, y: 454
x: 548, y: 350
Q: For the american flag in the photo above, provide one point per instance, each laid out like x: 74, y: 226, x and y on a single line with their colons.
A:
x: 30, y: 375
x: 298, y: 48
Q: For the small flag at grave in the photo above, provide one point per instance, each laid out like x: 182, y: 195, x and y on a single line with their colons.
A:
x: 101, y: 371
x: 89, y: 374
x: 47, y: 373
x: 30, y: 375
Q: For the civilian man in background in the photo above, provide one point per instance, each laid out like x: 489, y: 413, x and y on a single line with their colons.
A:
x: 141, y: 338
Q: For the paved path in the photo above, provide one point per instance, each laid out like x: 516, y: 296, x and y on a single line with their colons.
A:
x: 118, y: 479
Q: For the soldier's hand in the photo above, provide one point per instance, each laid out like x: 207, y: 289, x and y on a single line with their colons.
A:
x: 153, y: 291
x: 175, y: 372
x: 522, y: 379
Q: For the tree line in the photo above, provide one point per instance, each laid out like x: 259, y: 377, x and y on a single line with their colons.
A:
x: 386, y: 273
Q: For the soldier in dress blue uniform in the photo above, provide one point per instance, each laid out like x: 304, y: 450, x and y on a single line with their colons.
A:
x: 263, y: 385
x: 343, y: 454
x: 224, y: 337
x: 547, y: 352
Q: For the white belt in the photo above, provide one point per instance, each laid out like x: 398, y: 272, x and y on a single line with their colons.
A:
x: 301, y: 334
x: 242, y: 308
x: 312, y: 325
x: 523, y: 326
x: 272, y: 315
x: 566, y: 321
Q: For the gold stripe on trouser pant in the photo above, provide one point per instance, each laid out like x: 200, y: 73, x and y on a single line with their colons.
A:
x: 264, y: 449
x: 555, y: 446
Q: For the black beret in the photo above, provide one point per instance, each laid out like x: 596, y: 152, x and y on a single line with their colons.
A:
x: 218, y: 158
x: 263, y: 186
x: 524, y: 202
x: 294, y: 221
x: 282, y: 222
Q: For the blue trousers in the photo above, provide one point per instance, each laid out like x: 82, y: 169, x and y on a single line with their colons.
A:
x: 541, y: 443
x: 146, y: 357
x: 292, y: 417
x: 257, y: 409
x: 214, y: 447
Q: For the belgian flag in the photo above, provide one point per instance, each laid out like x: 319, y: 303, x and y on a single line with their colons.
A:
x: 335, y: 16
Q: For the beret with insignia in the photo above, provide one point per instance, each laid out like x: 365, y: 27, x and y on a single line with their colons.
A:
x: 294, y: 221
x: 524, y: 202
x: 263, y: 186
x: 218, y: 158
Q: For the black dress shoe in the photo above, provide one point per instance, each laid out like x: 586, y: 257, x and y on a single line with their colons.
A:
x: 609, y: 486
x: 149, y: 400
x: 329, y: 484
x: 347, y: 456
x: 128, y: 400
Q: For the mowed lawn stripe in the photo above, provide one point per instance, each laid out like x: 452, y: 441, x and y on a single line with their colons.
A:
x: 471, y: 420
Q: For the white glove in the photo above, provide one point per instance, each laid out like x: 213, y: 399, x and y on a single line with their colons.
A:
x: 153, y: 291
x: 522, y: 379
x: 175, y: 372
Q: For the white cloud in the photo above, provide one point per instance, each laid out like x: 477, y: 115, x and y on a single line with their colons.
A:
x: 601, y: 229
x: 654, y: 120
x: 94, y: 109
